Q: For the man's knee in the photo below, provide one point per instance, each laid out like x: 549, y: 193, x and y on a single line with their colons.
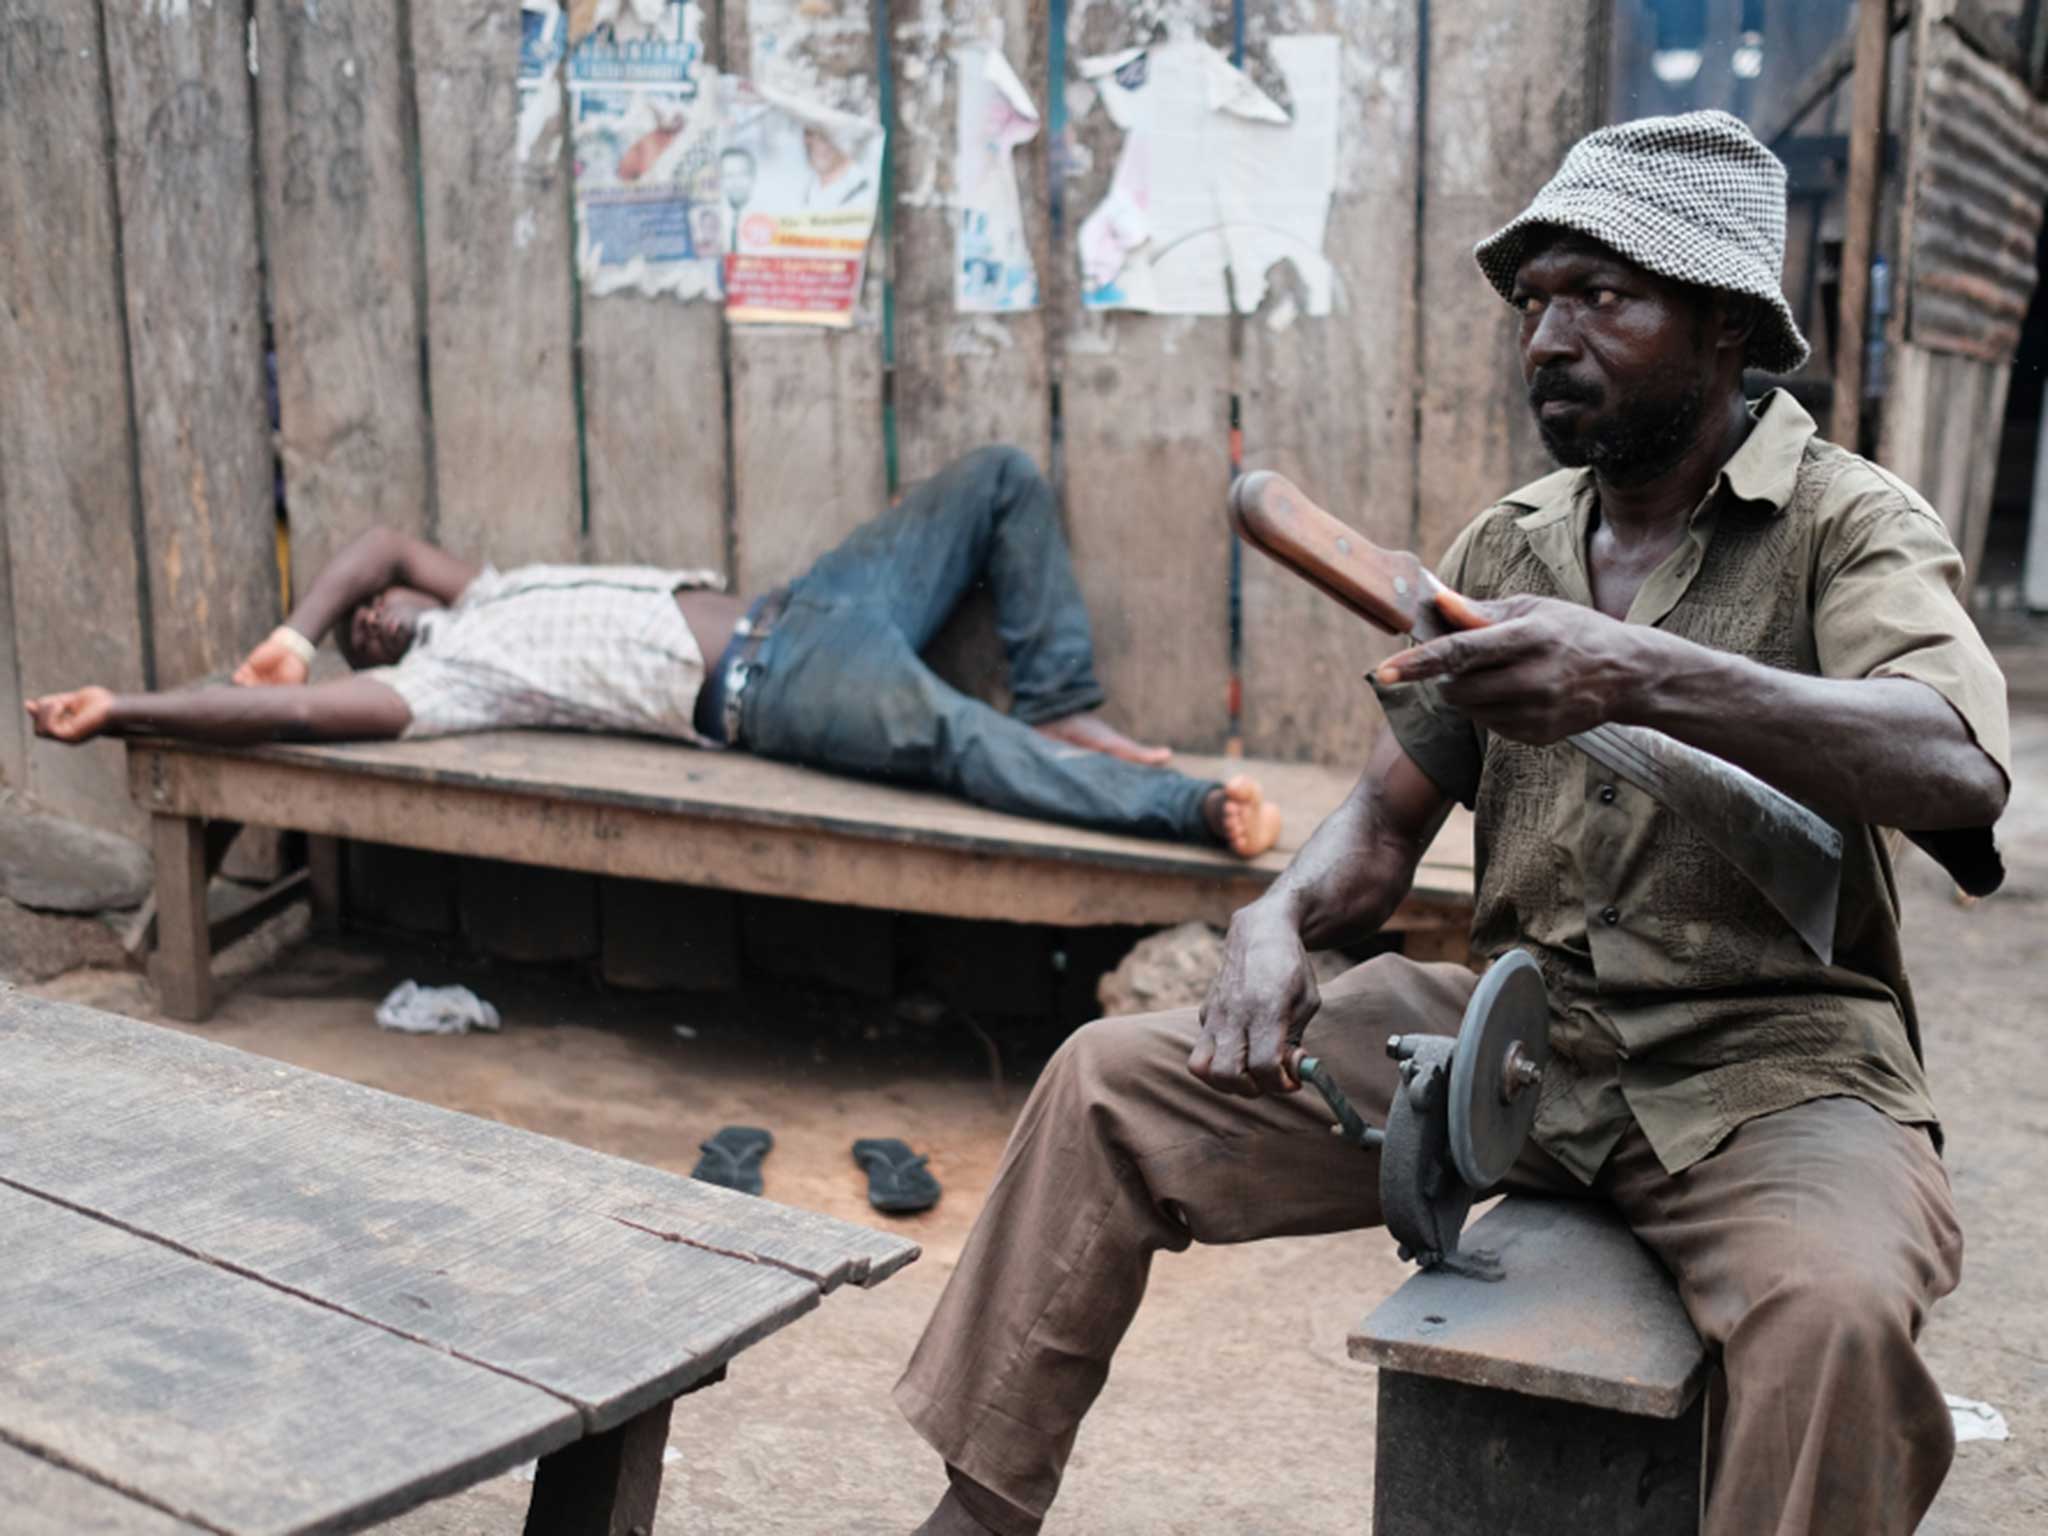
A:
x: 1115, y: 1060
x: 1835, y: 1308
x: 1010, y: 471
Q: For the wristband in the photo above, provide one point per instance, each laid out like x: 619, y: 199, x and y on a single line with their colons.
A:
x: 294, y: 642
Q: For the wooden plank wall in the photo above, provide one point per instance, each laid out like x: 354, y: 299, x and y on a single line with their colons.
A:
x: 1505, y: 101
x: 369, y: 194
x: 808, y: 454
x: 500, y: 301
x: 1145, y: 421
x: 67, y: 481
x: 185, y: 163
x: 1330, y: 403
x: 342, y: 234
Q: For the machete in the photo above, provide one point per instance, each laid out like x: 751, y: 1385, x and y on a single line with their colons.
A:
x: 1789, y: 853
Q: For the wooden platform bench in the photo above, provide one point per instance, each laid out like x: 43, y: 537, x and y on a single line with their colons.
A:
x: 1565, y: 1399
x: 727, y: 821
x: 247, y: 1299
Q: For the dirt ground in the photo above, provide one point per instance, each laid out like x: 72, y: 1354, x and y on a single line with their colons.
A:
x: 1233, y: 1407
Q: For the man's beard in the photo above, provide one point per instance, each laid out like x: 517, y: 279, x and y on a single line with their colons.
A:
x: 1647, y: 434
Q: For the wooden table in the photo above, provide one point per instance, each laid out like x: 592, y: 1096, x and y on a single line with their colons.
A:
x: 651, y: 810
x: 241, y: 1298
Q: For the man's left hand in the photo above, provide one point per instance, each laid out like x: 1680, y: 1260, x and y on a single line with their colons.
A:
x: 1538, y: 671
x: 77, y: 716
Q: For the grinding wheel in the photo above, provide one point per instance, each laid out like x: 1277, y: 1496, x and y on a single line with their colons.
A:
x: 1503, y: 1044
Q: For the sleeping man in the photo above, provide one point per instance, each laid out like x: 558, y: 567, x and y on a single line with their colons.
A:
x: 824, y: 671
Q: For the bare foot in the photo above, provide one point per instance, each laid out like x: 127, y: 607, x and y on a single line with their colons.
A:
x: 1091, y: 732
x: 1240, y: 814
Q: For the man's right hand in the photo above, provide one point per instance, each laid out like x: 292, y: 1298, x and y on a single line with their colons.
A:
x: 76, y: 716
x: 271, y: 663
x: 1257, y: 1009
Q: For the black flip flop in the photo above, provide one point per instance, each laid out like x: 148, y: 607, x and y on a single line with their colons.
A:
x: 898, y: 1181
x: 732, y: 1158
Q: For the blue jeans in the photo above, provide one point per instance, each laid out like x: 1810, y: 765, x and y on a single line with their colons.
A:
x: 840, y: 684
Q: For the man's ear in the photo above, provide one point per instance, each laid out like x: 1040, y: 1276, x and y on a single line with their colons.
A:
x: 1737, y: 317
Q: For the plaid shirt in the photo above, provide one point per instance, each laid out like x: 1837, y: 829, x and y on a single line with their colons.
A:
x: 575, y: 647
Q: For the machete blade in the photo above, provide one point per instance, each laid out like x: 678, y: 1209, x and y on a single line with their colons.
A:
x: 1789, y: 853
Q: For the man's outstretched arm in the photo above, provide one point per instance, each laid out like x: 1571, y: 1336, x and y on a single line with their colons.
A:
x: 1344, y: 884
x: 1886, y: 751
x: 347, y: 709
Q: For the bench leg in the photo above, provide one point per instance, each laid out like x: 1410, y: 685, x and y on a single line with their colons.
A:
x: 1455, y: 1458
x: 323, y: 865
x: 182, y: 966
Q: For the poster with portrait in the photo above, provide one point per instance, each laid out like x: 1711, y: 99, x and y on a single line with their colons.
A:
x: 801, y: 184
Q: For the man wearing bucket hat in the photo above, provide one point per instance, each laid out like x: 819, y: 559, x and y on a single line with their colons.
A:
x: 1704, y: 565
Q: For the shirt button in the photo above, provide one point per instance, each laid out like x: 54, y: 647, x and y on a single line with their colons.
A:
x: 1610, y: 916
x: 1607, y: 794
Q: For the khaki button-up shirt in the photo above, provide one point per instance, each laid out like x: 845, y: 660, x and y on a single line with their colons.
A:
x: 1680, y: 999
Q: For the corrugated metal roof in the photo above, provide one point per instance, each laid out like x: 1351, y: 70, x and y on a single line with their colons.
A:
x: 1981, y: 179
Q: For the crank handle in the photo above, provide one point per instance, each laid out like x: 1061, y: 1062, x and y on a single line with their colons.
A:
x: 1350, y: 1124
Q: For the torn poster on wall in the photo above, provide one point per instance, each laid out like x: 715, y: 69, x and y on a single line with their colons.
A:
x: 801, y: 183
x: 645, y: 113
x: 1216, y: 184
x: 539, y: 77
x: 992, y: 272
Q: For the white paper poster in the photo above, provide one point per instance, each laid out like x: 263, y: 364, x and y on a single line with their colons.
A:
x: 993, y: 273
x: 1213, y: 178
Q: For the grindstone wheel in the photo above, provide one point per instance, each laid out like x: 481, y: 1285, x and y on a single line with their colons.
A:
x: 1496, y: 1069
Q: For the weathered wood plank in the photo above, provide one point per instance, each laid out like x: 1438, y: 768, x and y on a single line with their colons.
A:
x: 44, y: 1499
x: 1330, y: 401
x: 183, y: 121
x: 1145, y: 413
x: 654, y: 424
x: 341, y: 230
x: 963, y: 381
x: 631, y: 808
x: 182, y: 965
x: 1586, y: 1314
x: 609, y: 1284
x: 223, y: 1399
x: 494, y: 187
x: 14, y: 732
x: 1505, y: 102
x: 67, y: 495
x: 807, y: 457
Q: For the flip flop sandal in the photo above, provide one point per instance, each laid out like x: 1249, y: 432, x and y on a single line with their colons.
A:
x: 898, y: 1182
x: 732, y: 1158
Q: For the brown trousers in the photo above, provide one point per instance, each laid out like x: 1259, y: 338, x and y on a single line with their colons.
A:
x: 1807, y: 1249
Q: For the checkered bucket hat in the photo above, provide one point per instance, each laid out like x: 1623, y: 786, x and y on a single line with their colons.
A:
x: 1696, y: 198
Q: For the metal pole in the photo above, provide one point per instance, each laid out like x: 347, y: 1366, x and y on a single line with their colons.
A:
x: 1859, y: 232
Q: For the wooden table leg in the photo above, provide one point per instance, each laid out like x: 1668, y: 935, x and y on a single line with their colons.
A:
x: 182, y: 966
x: 323, y: 863
x: 603, y: 1485
x: 608, y: 1484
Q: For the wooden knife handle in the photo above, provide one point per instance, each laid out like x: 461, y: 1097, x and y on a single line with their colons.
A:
x: 1387, y: 588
